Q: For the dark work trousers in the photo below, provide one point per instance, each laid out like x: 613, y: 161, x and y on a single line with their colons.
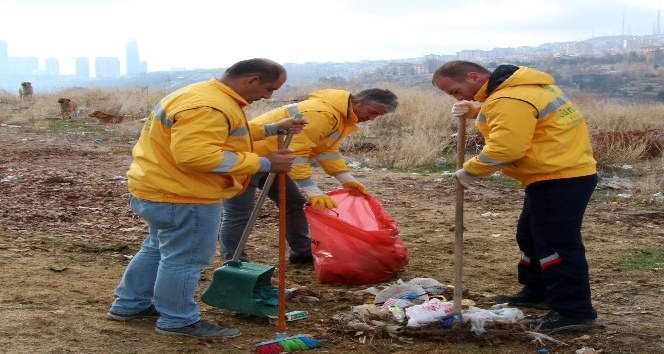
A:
x: 237, y: 212
x: 553, y: 262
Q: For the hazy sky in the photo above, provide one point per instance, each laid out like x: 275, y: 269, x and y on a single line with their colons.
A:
x: 216, y: 33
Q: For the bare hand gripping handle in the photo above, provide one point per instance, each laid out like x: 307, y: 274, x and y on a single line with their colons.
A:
x: 259, y: 202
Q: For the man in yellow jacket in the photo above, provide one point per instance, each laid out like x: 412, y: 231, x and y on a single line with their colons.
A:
x: 196, y: 148
x: 536, y: 135
x: 331, y: 115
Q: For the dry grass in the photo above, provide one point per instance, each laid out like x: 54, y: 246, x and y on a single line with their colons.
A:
x: 134, y: 101
x: 628, y: 134
x: 418, y: 135
x: 643, y: 122
x: 44, y: 111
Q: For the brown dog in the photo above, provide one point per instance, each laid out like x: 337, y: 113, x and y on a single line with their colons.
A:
x: 68, y: 108
x: 25, y: 91
x: 104, y: 117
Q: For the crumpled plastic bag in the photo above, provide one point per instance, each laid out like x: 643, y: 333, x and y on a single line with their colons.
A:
x: 478, y: 317
x: 431, y: 311
x: 366, y: 310
x: 430, y: 285
x: 401, y: 291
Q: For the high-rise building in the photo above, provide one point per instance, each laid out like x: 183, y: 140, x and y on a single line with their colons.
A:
x: 107, y: 67
x: 134, y: 65
x: 52, y: 66
x: 83, y: 67
x: 4, y: 59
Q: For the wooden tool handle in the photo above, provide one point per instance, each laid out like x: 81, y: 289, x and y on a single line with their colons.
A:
x: 281, y: 307
x: 458, y: 220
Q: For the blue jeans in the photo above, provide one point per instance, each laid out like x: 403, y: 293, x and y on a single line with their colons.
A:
x: 553, y: 263
x: 237, y: 211
x: 181, y: 243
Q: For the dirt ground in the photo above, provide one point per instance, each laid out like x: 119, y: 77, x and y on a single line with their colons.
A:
x: 66, y: 232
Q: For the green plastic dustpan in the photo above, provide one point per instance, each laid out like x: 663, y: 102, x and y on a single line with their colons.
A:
x: 234, y: 284
x: 232, y: 288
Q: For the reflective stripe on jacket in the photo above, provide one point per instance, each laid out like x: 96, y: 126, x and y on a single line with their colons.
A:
x: 195, y: 147
x: 533, y: 132
x: 330, y: 118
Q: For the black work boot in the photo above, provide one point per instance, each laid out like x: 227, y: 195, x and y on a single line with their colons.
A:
x: 555, y: 322
x: 520, y: 299
x: 308, y: 259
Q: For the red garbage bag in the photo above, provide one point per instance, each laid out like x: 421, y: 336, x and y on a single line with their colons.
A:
x: 356, y: 243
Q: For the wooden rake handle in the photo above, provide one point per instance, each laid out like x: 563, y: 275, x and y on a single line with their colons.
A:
x: 281, y: 306
x: 458, y: 220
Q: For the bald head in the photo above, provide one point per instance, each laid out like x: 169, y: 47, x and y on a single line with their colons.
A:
x: 254, y: 79
x: 265, y: 69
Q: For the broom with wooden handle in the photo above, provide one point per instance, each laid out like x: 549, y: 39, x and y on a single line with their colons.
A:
x: 284, y: 343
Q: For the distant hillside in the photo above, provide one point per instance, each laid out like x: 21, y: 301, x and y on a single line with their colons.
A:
x: 634, y: 75
x: 629, y: 76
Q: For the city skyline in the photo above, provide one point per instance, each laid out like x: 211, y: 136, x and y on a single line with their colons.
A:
x: 298, y: 31
x: 110, y: 67
x: 113, y: 67
x: 103, y: 67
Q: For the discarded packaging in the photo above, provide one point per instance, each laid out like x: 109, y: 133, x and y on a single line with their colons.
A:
x: 366, y: 310
x: 402, y: 291
x: 447, y: 322
x: 398, y: 313
x: 296, y: 315
x: 430, y: 285
x: 478, y: 317
x: 403, y: 303
x: 431, y: 311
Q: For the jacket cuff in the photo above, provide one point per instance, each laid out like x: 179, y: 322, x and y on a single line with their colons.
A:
x: 265, y: 164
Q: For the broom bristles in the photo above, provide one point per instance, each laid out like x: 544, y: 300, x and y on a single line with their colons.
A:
x: 288, y: 344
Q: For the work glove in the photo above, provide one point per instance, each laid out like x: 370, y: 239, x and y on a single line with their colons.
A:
x: 317, y: 198
x: 356, y: 185
x: 323, y: 202
x: 465, y: 178
x: 464, y: 109
x: 349, y: 181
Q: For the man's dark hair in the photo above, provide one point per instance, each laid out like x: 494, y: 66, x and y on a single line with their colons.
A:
x: 457, y: 70
x: 381, y: 97
x: 266, y: 69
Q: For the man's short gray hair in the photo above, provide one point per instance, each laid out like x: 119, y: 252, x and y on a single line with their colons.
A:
x: 381, y: 97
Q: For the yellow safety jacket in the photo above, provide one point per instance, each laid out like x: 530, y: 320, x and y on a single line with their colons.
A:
x: 331, y: 119
x: 532, y: 131
x: 195, y: 147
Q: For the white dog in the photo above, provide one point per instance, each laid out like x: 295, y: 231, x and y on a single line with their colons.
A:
x: 25, y: 92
